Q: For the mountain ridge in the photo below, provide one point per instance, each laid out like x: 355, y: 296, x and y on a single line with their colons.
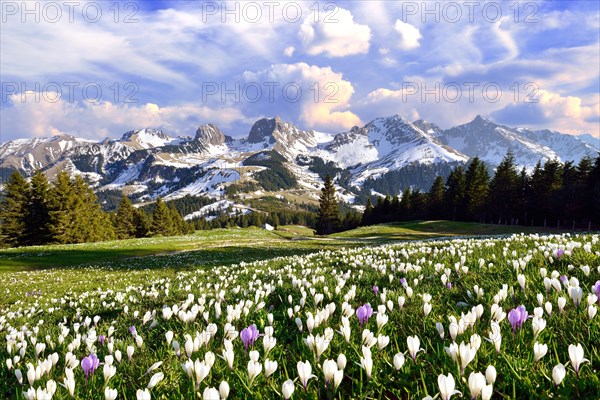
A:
x: 149, y: 162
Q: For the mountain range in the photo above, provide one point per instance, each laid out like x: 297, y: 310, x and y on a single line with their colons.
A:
x: 387, y: 154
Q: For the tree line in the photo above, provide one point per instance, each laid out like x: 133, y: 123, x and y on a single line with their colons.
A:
x: 553, y: 194
x: 36, y: 212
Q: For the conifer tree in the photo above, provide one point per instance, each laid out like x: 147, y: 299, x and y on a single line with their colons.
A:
x: 435, y: 199
x: 178, y: 224
x: 476, y: 190
x: 455, y: 193
x: 142, y: 223
x: 125, y: 219
x: 13, y: 210
x: 329, y: 217
x: 162, y: 223
x: 503, y: 189
x: 367, y: 216
x: 36, y: 230
x: 62, y: 201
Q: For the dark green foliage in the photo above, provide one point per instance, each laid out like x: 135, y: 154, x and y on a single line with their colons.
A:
x: 477, y: 183
x: 276, y: 176
x: 125, y: 219
x: 162, y: 222
x: 503, y: 189
x: 555, y: 194
x: 367, y: 217
x: 328, y: 220
x: 455, y: 194
x: 13, y: 210
x: 109, y: 199
x: 74, y: 213
x: 38, y: 217
x: 435, y: 199
x: 411, y: 176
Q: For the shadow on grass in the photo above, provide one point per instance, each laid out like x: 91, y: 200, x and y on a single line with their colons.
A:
x: 127, y: 259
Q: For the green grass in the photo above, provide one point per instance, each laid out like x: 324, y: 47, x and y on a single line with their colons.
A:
x: 432, y: 229
x: 228, y: 246
x: 38, y: 304
x: 203, y: 248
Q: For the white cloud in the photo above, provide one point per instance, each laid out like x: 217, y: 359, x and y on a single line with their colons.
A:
x: 409, y: 35
x: 339, y: 37
x: 289, y: 51
x: 329, y: 109
x: 104, y: 119
x: 505, y: 37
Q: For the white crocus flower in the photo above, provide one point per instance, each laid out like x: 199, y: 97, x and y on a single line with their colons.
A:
x: 414, y: 346
x: 304, y: 372
x: 539, y: 351
x: 576, y: 356
x: 110, y: 394
x: 476, y: 384
x: 558, y: 374
x: 446, y: 385
x: 287, y: 388
x: 159, y: 376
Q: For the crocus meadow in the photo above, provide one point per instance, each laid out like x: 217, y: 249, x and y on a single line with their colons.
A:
x: 481, y: 318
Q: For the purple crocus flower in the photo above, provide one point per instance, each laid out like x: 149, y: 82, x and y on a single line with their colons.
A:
x: 596, y: 290
x: 564, y: 279
x: 559, y: 253
x: 403, y: 281
x: 375, y: 290
x: 101, y: 339
x: 449, y: 285
x: 132, y: 330
x: 89, y: 365
x: 517, y: 316
x: 249, y: 335
x: 363, y: 313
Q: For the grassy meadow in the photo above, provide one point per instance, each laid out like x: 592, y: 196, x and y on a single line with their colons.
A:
x: 376, y: 313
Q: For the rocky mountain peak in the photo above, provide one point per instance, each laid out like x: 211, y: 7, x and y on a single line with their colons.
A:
x: 210, y: 134
x: 264, y: 128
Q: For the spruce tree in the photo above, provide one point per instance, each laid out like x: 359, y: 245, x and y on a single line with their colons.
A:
x: 405, y: 209
x: 125, y: 219
x: 503, y: 189
x: 38, y: 220
x: 13, y: 214
x: 435, y: 199
x: 367, y: 217
x: 455, y: 193
x: 178, y: 227
x: 329, y: 216
x: 476, y: 190
x: 162, y: 223
x: 62, y: 201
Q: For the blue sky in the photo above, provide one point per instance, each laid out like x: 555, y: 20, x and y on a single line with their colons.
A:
x: 327, y: 66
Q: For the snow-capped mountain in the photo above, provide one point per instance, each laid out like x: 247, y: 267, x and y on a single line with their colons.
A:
x: 490, y: 141
x: 147, y: 163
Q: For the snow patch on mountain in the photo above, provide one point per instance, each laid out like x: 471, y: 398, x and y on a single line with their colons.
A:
x: 211, y: 211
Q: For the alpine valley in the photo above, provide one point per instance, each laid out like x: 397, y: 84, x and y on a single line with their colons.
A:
x: 277, y: 158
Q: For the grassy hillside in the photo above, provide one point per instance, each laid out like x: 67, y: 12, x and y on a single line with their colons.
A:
x: 227, y: 246
x: 432, y: 229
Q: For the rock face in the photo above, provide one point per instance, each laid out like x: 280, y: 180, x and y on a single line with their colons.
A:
x: 211, y: 135
x: 263, y: 130
x: 152, y: 163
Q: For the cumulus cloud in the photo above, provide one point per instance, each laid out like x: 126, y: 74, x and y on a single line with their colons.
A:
x: 322, y: 102
x: 409, y: 35
x: 563, y: 113
x: 105, y: 119
x: 339, y: 36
